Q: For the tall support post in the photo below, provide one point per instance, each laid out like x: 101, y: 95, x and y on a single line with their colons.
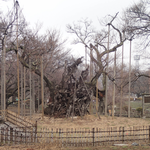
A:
x: 30, y: 87
x: 91, y: 76
x: 97, y: 95
x: 17, y: 59
x: 91, y: 63
x: 24, y: 89
x: 2, y: 80
x: 33, y: 93
x: 97, y: 103
x: 122, y: 76
x: 4, y: 70
x: 114, y: 88
x: 129, y: 78
x: 143, y: 105
x: 74, y: 98
x: 21, y: 90
x: 85, y: 56
x: 38, y: 93
x: 106, y: 94
x: 42, y: 87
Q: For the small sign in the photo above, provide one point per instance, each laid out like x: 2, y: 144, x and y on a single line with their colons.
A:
x: 146, y: 99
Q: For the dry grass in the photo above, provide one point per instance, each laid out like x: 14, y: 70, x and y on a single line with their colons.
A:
x: 41, y: 146
x: 55, y: 147
x: 88, y: 122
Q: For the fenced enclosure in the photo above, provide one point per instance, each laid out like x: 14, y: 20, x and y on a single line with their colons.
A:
x: 75, y: 137
x: 17, y: 120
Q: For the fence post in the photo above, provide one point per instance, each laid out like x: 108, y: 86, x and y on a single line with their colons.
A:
x: 36, y: 127
x: 123, y: 134
x: 149, y: 133
x: 93, y: 136
x: 11, y: 135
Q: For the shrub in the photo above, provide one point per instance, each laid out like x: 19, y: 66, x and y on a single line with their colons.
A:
x: 139, y: 109
x: 125, y: 108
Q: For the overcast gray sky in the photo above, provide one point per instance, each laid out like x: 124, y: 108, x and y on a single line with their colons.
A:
x: 56, y: 14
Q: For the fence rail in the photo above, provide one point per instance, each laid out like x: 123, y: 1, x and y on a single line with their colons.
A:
x: 76, y: 137
x: 17, y: 120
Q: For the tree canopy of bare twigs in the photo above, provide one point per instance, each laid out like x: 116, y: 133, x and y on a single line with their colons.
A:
x: 31, y: 45
x: 96, y: 43
x: 137, y: 21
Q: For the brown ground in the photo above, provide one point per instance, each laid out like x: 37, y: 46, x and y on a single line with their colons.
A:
x: 51, y: 147
x: 85, y: 122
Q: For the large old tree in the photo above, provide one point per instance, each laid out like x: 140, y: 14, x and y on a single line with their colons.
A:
x: 70, y: 94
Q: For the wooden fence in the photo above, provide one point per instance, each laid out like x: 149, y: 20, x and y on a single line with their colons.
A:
x: 76, y: 137
x: 17, y: 120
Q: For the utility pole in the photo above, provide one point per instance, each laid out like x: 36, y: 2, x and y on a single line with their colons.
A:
x: 129, y: 78
x: 106, y: 94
